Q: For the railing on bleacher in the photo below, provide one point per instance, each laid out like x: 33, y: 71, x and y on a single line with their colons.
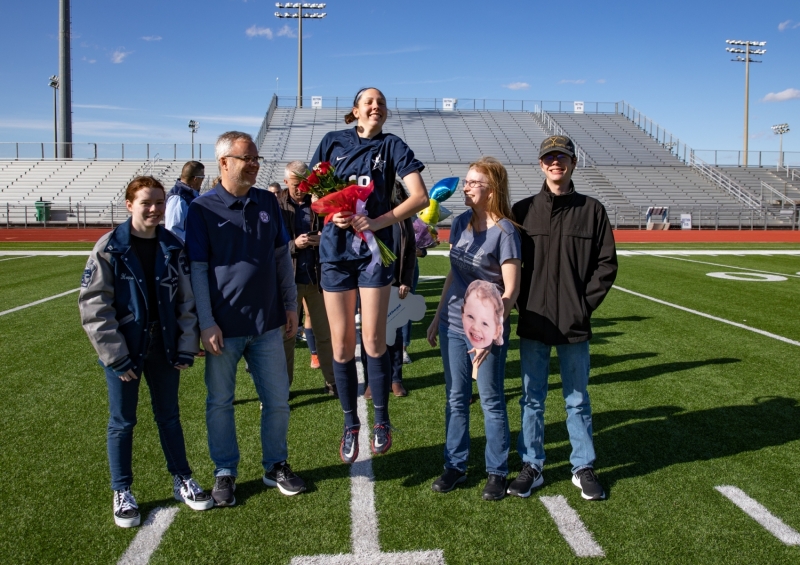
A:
x: 723, y: 181
x: 549, y: 125
x: 31, y: 151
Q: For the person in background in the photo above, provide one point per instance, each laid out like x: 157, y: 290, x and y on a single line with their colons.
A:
x: 302, y: 226
x: 280, y: 194
x: 485, y: 246
x: 137, y: 307
x: 246, y: 303
x: 569, y: 263
x: 186, y: 189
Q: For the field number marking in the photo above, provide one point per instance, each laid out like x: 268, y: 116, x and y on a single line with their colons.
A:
x: 710, y: 317
x: 149, y: 537
x: 18, y: 308
x: 760, y: 514
x: 571, y: 527
x: 749, y: 277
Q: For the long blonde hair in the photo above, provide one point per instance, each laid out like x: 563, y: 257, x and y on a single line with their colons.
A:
x: 499, y: 205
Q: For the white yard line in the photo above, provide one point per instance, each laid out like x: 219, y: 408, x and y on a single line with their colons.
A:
x: 710, y: 317
x: 20, y: 257
x: 149, y: 537
x: 721, y: 265
x: 571, y: 527
x: 364, y: 530
x: 45, y: 253
x: 18, y: 308
x: 760, y: 514
x: 709, y: 252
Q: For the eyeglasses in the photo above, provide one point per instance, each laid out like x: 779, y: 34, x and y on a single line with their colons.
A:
x: 249, y: 159
x: 560, y: 157
x: 473, y: 184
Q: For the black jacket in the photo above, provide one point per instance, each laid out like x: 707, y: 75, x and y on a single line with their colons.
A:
x: 405, y: 247
x: 569, y: 263
x: 288, y: 221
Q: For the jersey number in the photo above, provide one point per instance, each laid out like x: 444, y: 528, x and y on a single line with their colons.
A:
x: 363, y: 180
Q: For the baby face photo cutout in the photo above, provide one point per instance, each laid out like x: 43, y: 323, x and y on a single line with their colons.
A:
x: 482, y: 315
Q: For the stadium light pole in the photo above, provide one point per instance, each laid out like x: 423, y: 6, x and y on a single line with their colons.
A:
x: 193, y: 125
x: 300, y: 15
x: 65, y: 76
x: 746, y: 60
x: 780, y: 129
x: 54, y: 86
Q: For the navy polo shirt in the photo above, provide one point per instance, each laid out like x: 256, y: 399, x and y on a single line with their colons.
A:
x: 305, y: 259
x: 380, y: 160
x: 237, y: 237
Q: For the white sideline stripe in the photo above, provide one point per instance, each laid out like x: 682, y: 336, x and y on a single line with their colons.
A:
x: 726, y: 266
x: 757, y: 512
x: 4, y: 312
x: 12, y: 258
x: 432, y: 278
x: 710, y: 252
x: 571, y: 527
x: 439, y: 253
x: 149, y: 537
x: 710, y: 317
x: 44, y: 253
x: 363, y: 517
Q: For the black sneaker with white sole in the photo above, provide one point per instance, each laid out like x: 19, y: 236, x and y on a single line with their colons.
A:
x: 448, y: 481
x: 586, y: 480
x: 528, y: 479
x: 281, y: 476
x: 495, y: 488
x: 186, y: 489
x: 126, y: 511
x: 222, y: 493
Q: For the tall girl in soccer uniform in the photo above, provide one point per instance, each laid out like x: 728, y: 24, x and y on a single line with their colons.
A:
x: 364, y: 154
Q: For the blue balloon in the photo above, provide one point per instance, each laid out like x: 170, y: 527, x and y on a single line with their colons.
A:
x: 444, y: 189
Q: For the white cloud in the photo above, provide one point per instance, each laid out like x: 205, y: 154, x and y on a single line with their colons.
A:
x: 783, y: 96
x: 286, y: 31
x: 99, y: 107
x: 119, y: 56
x: 601, y: 81
x: 255, y: 31
x: 788, y: 24
x: 25, y: 124
x: 254, y: 121
x: 517, y: 86
x: 379, y: 53
x: 572, y: 81
x: 152, y: 38
x: 90, y: 61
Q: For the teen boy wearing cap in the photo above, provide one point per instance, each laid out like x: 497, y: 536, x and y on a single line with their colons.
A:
x: 568, y: 237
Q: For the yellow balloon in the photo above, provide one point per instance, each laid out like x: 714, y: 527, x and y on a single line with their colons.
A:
x: 430, y: 215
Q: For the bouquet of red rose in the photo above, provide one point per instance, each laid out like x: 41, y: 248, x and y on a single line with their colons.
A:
x: 335, y: 195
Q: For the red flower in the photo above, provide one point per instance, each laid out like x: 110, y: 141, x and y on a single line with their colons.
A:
x: 323, y: 168
x: 312, y: 179
x: 303, y: 187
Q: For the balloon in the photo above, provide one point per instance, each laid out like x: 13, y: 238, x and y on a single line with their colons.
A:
x: 430, y: 215
x: 444, y: 189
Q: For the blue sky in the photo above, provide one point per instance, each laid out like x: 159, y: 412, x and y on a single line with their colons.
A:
x: 142, y: 69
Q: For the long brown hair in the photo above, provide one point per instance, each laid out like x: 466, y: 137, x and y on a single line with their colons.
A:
x: 499, y: 205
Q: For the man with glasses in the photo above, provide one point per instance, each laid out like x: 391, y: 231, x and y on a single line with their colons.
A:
x: 568, y: 238
x: 186, y: 189
x: 246, y: 302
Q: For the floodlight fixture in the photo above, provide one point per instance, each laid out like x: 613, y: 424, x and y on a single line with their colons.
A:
x: 747, y: 52
x: 54, y: 85
x: 193, y: 127
x: 780, y: 129
x: 300, y: 16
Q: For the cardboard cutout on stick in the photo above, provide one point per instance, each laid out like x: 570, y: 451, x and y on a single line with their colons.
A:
x: 401, y: 310
x: 482, y: 317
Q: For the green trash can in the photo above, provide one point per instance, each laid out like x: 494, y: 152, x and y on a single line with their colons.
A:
x: 43, y: 211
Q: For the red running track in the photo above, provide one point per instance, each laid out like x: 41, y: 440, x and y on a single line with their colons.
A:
x: 622, y: 236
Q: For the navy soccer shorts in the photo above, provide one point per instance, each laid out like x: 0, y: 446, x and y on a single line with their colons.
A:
x: 349, y: 275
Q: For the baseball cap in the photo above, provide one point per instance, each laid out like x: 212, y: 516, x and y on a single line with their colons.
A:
x: 557, y: 143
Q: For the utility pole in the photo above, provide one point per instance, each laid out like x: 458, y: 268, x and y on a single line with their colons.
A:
x: 54, y: 86
x: 193, y: 125
x: 746, y: 60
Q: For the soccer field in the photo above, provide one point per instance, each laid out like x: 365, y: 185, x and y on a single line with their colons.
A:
x: 695, y: 387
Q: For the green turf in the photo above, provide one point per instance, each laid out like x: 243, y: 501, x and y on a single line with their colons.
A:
x: 38, y: 245
x: 682, y: 404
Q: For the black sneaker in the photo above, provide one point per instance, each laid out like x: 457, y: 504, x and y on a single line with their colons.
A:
x: 586, y: 480
x: 348, y: 448
x: 495, y: 488
x: 448, y: 481
x: 222, y: 493
x: 281, y: 476
x: 528, y: 479
x: 126, y: 511
x: 381, y: 439
x: 187, y: 490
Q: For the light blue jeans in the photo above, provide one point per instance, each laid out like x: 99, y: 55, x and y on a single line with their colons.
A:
x: 458, y: 387
x: 265, y: 357
x: 573, y: 360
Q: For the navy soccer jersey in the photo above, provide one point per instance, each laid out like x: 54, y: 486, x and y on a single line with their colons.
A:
x: 381, y: 160
x: 237, y: 237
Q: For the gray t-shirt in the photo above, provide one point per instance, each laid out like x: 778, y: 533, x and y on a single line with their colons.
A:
x: 476, y: 256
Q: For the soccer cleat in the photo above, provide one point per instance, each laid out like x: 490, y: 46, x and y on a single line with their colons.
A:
x: 586, y: 480
x: 348, y: 449
x: 186, y: 489
x: 495, y: 488
x: 126, y: 511
x: 381, y: 439
x: 448, y: 481
x: 528, y: 479
x: 314, y: 361
x: 281, y: 476
x: 224, y: 486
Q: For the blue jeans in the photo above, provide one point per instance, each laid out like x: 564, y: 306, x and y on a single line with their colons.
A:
x: 458, y: 386
x: 265, y: 357
x: 573, y: 361
x: 123, y: 397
